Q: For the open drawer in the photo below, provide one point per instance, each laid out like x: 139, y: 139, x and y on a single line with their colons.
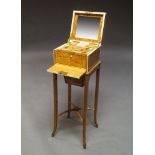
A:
x: 65, y: 70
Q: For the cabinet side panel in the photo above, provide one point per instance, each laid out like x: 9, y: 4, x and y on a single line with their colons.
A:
x: 93, y: 58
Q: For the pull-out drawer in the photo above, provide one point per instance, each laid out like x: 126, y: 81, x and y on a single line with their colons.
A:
x: 65, y: 70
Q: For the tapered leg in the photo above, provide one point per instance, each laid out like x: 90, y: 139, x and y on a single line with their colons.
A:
x: 69, y: 99
x: 96, y: 97
x: 86, y: 84
x: 55, y: 90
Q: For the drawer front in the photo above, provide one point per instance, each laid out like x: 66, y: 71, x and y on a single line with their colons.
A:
x: 77, y: 60
x: 70, y: 58
x: 61, y: 57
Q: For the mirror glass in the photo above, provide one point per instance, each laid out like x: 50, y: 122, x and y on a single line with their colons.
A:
x: 87, y: 27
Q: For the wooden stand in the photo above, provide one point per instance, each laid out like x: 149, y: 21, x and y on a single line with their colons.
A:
x: 83, y: 82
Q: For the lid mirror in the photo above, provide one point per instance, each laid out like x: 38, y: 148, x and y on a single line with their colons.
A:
x: 87, y: 27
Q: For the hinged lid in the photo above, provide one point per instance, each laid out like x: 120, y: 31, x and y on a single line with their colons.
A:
x: 87, y: 26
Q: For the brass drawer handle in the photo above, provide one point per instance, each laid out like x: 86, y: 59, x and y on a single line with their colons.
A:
x: 62, y: 72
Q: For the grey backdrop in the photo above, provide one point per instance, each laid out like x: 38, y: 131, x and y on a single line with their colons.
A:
x: 46, y: 25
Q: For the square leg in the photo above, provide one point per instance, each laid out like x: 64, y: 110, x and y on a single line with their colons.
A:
x: 86, y: 84
x: 96, y: 96
x: 55, y: 90
x: 69, y: 99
